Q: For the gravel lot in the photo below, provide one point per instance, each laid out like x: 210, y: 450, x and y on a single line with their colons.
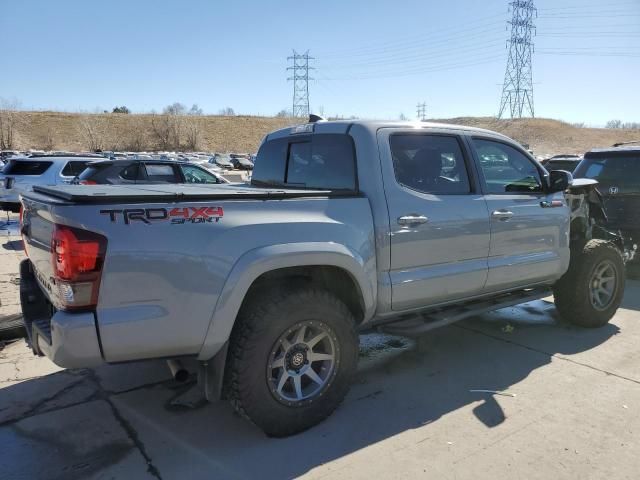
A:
x: 571, y: 408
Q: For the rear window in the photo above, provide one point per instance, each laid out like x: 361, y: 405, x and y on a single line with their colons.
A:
x: 73, y: 168
x: 568, y: 165
x: 88, y: 173
x: 322, y: 161
x: 622, y: 171
x: 19, y: 167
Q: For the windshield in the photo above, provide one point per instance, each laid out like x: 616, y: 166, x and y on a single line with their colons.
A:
x: 622, y: 172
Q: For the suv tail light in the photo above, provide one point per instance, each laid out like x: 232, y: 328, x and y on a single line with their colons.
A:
x: 77, y: 257
x: 88, y: 182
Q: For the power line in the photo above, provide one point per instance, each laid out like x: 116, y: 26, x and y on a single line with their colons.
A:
x: 372, y: 49
x: 448, y: 52
x: 517, y: 90
x: 300, y: 78
x: 428, y: 69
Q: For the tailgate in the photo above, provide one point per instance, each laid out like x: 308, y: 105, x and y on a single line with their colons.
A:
x: 37, y: 230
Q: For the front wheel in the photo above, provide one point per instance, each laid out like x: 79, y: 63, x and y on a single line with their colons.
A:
x: 591, y: 291
x: 292, y: 356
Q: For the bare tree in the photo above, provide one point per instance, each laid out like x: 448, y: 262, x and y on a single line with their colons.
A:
x: 614, y: 124
x: 167, y: 130
x: 161, y: 129
x: 227, y: 112
x: 283, y: 114
x: 7, y: 123
x: 93, y: 132
x: 175, y: 108
x: 137, y: 138
x: 195, y: 110
x: 192, y: 133
x: 48, y: 143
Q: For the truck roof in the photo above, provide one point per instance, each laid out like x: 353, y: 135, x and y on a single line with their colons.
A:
x: 622, y: 149
x: 343, y: 126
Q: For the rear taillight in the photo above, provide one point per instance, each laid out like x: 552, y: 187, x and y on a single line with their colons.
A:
x: 87, y: 182
x: 77, y: 257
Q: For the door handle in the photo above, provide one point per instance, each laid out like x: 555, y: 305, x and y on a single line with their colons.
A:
x: 412, y: 219
x: 551, y: 204
x: 502, y: 215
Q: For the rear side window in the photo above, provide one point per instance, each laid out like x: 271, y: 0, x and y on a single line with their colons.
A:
x: 18, y: 167
x: 430, y: 163
x: 161, y: 173
x: 73, y: 168
x: 322, y: 161
x: 130, y: 172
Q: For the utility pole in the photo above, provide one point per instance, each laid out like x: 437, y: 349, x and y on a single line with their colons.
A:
x: 300, y: 68
x: 517, y: 89
x: 421, y: 110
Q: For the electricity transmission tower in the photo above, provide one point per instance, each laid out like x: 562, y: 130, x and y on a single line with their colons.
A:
x: 421, y: 110
x: 300, y: 79
x: 517, y: 90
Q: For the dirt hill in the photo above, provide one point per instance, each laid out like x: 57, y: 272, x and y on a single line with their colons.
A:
x: 77, y: 132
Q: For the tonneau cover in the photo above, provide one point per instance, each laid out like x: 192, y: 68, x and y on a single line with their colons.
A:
x: 173, y: 193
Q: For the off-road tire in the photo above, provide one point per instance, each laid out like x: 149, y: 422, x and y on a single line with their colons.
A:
x: 572, y: 292
x: 261, y: 321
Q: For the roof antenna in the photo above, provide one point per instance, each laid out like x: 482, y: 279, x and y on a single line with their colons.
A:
x: 313, y: 118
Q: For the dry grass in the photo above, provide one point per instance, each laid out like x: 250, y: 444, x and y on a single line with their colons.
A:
x: 546, y: 136
x: 67, y: 131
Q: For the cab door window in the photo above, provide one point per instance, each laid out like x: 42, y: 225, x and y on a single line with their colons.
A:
x: 505, y: 169
x: 430, y: 164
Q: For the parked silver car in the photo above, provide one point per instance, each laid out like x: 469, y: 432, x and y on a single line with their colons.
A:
x: 20, y: 174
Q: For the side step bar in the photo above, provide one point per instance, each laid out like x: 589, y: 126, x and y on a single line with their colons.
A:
x: 425, y: 321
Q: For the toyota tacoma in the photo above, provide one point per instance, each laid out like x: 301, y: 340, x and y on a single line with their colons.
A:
x: 346, y: 226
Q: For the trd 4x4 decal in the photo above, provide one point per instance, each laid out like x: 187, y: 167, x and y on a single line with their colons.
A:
x: 177, y: 216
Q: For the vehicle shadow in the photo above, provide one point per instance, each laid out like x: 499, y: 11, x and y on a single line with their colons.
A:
x: 395, y: 391
x: 14, y: 245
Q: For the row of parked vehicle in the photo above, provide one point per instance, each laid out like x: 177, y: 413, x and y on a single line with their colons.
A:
x: 20, y: 174
x: 216, y: 161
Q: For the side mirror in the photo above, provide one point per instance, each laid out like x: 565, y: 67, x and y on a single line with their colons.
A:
x: 559, y: 181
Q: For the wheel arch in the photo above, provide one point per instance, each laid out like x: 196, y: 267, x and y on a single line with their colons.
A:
x: 334, y: 266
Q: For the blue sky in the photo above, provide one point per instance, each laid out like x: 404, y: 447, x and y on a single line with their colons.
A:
x: 374, y: 59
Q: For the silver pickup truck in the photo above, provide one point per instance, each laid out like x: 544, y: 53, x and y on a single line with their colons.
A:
x: 346, y: 226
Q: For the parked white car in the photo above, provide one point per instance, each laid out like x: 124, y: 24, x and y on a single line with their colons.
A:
x: 20, y: 174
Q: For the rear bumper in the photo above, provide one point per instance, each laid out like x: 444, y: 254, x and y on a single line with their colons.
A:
x: 69, y: 340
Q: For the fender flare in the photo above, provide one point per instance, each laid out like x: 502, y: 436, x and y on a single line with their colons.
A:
x: 261, y: 260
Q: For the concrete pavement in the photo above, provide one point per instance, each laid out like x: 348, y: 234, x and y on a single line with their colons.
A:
x: 570, y: 409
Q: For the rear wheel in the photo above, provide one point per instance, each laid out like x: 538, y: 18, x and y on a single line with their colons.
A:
x: 292, y: 356
x: 591, y: 291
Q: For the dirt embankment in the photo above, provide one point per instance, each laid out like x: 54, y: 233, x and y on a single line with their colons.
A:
x: 77, y: 132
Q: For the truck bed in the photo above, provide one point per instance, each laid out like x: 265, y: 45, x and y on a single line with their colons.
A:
x: 108, y: 194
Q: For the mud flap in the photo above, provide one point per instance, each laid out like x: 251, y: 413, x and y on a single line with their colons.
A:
x: 211, y: 374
